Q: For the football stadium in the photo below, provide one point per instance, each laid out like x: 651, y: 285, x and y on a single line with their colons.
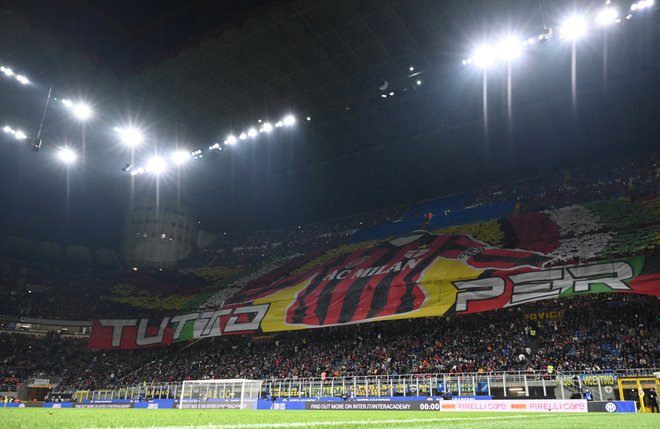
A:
x: 329, y: 214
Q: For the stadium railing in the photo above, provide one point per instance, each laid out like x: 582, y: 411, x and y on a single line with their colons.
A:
x: 513, y: 384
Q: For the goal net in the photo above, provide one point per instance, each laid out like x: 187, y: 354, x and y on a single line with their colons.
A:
x: 229, y: 393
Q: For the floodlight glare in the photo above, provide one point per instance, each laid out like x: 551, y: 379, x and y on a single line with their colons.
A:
x: 573, y: 28
x: 67, y: 155
x: 252, y: 132
x: 509, y: 49
x: 289, y: 120
x: 231, y: 139
x: 82, y: 111
x: 607, y: 16
x: 278, y: 124
x: 130, y: 136
x: 180, y: 157
x: 643, y: 4
x: 242, y: 136
x: 7, y: 71
x: 267, y: 127
x: 484, y: 56
x: 7, y: 129
x: 20, y: 135
x: 156, y: 165
x: 67, y: 103
x: 22, y: 79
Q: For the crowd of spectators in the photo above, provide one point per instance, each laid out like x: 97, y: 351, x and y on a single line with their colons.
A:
x: 627, y: 178
x: 245, y: 248
x: 595, y: 332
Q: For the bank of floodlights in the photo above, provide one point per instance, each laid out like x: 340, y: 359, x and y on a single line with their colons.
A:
x: 130, y: 136
x: 67, y: 155
x: 10, y: 73
x: 180, y: 157
x: 18, y: 134
x: 156, y: 165
x: 641, y: 5
x: 572, y: 29
x: 80, y: 110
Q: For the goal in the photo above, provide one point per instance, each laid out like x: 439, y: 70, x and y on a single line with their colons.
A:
x: 234, y: 393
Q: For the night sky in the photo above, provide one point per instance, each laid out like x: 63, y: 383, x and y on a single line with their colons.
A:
x: 357, y: 153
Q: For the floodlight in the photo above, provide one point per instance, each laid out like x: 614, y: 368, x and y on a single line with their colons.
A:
x: 411, y: 68
x: 231, y: 139
x: 242, y: 136
x: 289, y: 120
x: 20, y: 135
x: 509, y: 49
x: 309, y: 118
x: 278, y: 124
x: 180, y: 157
x: 67, y: 155
x: 67, y: 103
x: 267, y: 127
x: 156, y: 165
x: 419, y: 82
x: 7, y: 129
x: 22, y: 79
x: 7, y: 71
x: 130, y: 136
x: 607, y: 16
x: 574, y: 28
x: 252, y: 132
x: 643, y: 4
x: 484, y: 56
x: 82, y: 111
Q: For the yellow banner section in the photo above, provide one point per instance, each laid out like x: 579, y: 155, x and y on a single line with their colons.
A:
x: 440, y: 296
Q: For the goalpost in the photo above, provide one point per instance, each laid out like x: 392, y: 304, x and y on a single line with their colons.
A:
x: 237, y: 393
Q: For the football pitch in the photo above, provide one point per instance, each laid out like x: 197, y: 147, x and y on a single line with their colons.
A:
x: 35, y: 418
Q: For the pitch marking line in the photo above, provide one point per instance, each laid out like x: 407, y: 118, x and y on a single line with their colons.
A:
x: 352, y: 423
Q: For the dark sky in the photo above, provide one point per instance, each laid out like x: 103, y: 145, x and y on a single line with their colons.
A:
x: 427, y: 142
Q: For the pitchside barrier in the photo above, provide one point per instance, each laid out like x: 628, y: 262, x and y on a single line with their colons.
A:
x: 381, y: 404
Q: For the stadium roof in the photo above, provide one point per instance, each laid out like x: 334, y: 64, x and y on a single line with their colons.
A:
x: 193, y: 72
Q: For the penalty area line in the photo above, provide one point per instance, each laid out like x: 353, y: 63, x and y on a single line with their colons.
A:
x: 349, y: 423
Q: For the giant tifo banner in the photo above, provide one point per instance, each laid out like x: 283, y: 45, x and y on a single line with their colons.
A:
x: 417, y: 275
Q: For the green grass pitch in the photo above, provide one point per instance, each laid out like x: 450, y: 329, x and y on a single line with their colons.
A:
x: 36, y: 418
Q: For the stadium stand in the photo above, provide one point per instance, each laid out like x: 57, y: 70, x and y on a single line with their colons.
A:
x: 564, y: 215
x: 588, y: 333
